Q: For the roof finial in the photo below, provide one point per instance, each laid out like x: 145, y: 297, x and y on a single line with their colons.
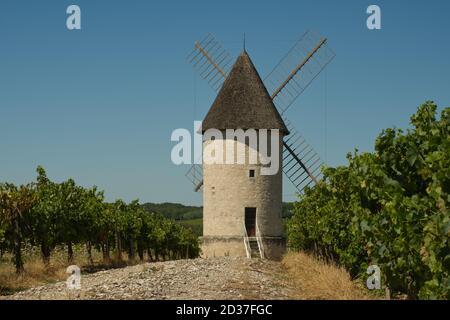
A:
x: 244, y: 41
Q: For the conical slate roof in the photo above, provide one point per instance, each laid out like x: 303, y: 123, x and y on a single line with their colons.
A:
x: 243, y: 102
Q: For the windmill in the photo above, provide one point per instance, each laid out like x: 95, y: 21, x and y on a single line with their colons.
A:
x: 287, y: 81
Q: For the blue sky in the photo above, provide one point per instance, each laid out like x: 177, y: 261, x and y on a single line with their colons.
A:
x: 99, y: 104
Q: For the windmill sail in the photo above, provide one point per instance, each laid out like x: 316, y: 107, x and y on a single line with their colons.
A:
x: 195, y: 175
x: 211, y: 60
x: 295, y: 72
x: 213, y: 64
x: 301, y: 164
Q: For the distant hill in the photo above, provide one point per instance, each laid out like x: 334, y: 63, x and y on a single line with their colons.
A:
x: 178, y: 211
x: 175, y: 211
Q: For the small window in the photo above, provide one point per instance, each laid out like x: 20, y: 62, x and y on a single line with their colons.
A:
x: 251, y: 173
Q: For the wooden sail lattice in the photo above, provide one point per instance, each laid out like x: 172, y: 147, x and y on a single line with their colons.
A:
x: 211, y: 61
x: 297, y: 69
x: 301, y: 163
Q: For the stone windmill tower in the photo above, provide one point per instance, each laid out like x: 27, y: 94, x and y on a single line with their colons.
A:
x: 237, y: 199
x: 242, y: 213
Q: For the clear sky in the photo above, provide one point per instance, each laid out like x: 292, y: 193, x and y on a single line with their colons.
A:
x: 99, y: 105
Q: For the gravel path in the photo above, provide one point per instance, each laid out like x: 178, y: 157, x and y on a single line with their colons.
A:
x: 218, y: 278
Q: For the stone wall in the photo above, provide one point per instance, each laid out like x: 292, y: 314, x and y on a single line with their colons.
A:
x: 228, y: 190
x: 274, y: 248
x: 223, y: 246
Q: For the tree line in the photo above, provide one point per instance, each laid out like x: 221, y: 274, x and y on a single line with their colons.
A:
x: 388, y: 208
x: 46, y: 214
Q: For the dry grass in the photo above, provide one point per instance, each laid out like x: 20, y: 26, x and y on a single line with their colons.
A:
x: 315, y: 279
x: 36, y: 273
